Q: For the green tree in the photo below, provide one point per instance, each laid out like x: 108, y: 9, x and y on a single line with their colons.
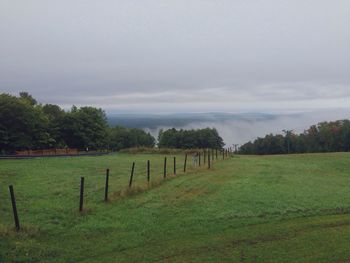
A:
x: 85, y: 127
x: 23, y: 125
x: 187, y: 139
x: 122, y: 138
x: 25, y: 96
x: 323, y: 137
x: 55, y: 116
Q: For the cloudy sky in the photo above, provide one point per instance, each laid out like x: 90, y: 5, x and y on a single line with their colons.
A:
x: 178, y: 55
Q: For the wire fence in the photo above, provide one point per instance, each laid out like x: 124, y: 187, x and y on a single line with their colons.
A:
x: 142, y: 177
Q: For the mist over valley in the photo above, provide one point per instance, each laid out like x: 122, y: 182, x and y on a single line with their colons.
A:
x: 234, y: 128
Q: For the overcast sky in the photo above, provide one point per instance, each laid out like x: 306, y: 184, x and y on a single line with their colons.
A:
x: 178, y: 55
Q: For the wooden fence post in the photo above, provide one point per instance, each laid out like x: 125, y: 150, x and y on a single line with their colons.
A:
x: 204, y: 156
x: 208, y: 159
x: 164, y: 175
x: 223, y: 154
x: 81, y: 199
x: 132, y: 174
x: 174, y: 165
x: 106, y: 186
x: 14, y: 208
x: 148, y: 171
x: 199, y: 158
x: 212, y: 154
x: 216, y: 153
x: 185, y: 163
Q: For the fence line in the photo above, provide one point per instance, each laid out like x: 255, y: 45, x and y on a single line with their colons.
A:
x: 207, y: 154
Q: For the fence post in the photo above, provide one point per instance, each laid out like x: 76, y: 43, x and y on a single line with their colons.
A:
x: 199, y: 158
x: 216, y: 153
x: 81, y: 200
x: 212, y: 154
x: 204, y: 156
x: 148, y: 171
x: 14, y: 207
x: 106, y: 187
x: 208, y: 159
x: 174, y: 165
x: 185, y: 163
x: 164, y: 175
x: 132, y: 174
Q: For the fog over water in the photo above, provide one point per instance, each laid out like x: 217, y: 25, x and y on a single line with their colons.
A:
x: 233, y: 128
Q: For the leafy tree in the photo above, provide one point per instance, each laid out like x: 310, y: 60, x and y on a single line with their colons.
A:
x: 121, y: 138
x: 22, y: 125
x: 85, y: 127
x: 55, y: 116
x: 25, y: 96
x: 323, y: 137
x: 187, y: 139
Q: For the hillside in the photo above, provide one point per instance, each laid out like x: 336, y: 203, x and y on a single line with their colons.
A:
x: 290, y: 208
x: 153, y: 121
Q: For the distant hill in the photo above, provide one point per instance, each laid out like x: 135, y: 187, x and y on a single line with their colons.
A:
x: 152, y: 121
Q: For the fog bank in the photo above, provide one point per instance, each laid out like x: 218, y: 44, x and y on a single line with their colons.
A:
x: 242, y: 130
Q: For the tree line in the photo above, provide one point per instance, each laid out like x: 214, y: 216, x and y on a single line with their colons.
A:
x: 186, y: 139
x: 324, y: 137
x: 26, y: 124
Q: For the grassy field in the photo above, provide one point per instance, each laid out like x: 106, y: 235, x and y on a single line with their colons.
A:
x: 246, y: 209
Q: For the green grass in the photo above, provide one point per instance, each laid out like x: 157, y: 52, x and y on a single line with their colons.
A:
x: 246, y: 209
